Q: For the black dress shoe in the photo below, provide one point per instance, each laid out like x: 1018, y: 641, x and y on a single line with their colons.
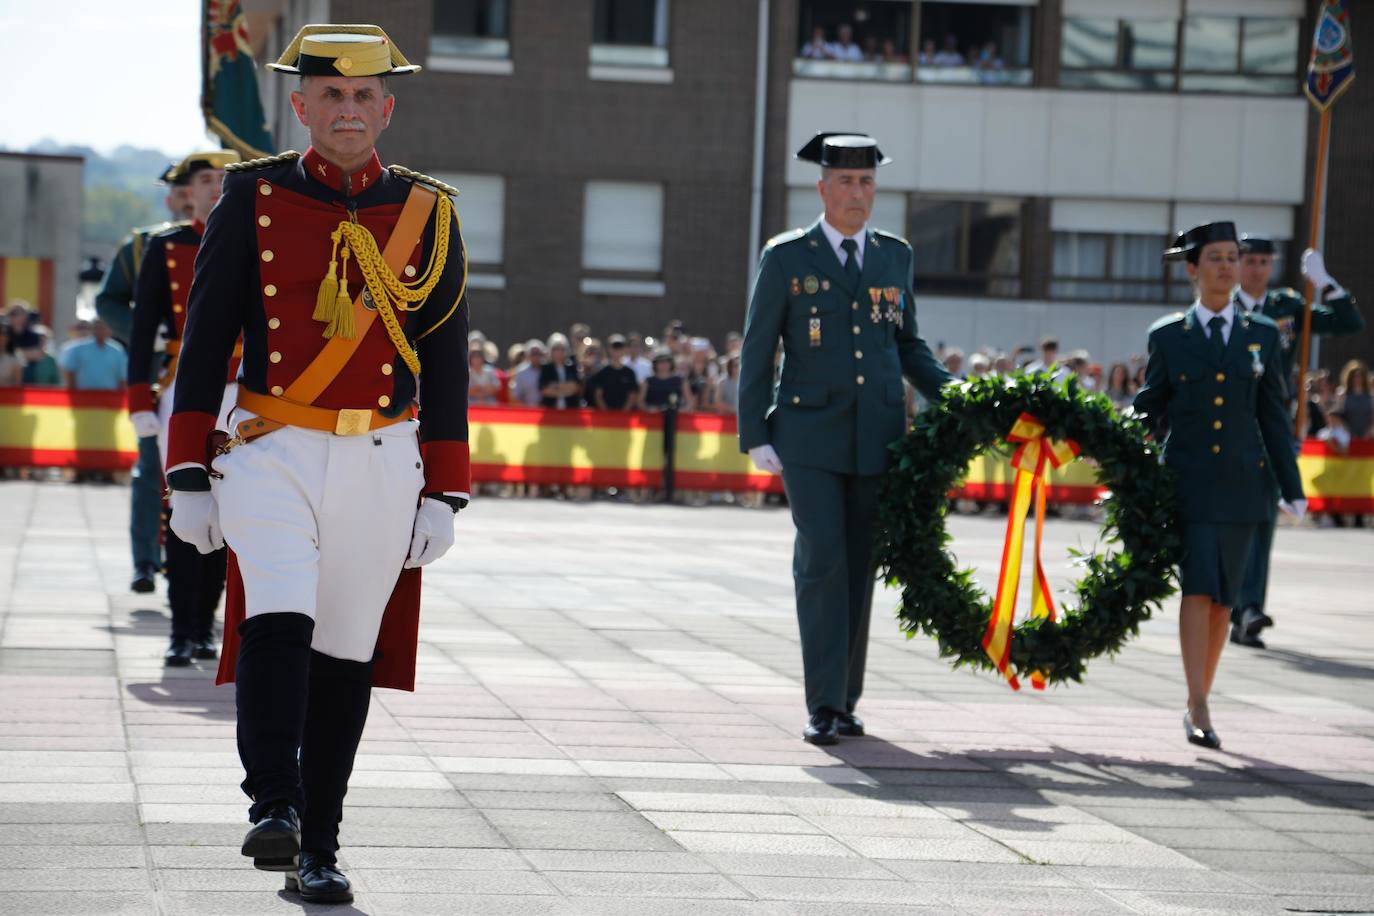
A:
x: 178, y: 654
x: 274, y: 841
x: 318, y: 880
x: 1203, y: 737
x: 204, y: 649
x: 1240, y: 638
x: 145, y: 579
x: 822, y: 728
x: 849, y: 725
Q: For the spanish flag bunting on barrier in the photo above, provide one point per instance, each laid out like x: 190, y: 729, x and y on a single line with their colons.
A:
x: 1032, y: 460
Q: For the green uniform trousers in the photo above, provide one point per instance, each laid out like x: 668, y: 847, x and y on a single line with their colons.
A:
x: 832, y: 569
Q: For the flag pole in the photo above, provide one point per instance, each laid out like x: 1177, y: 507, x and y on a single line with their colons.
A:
x: 1305, y: 343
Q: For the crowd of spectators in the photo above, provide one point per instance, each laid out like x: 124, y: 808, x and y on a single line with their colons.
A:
x: 88, y: 360
x: 625, y: 372
x: 983, y: 58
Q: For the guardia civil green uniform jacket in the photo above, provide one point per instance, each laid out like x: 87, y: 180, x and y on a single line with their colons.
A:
x: 839, y: 400
x: 1224, y: 415
x: 1335, y: 315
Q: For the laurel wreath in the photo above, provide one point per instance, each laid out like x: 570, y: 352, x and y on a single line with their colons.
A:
x: 1124, y: 580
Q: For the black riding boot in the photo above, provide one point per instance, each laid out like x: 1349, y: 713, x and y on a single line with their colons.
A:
x: 271, y: 682
x: 340, y: 692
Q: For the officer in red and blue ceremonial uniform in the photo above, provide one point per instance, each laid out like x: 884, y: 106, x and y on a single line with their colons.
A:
x: 347, y: 282
x: 115, y: 304
x: 194, y: 583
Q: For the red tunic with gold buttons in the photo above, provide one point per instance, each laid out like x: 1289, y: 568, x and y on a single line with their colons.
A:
x: 160, y: 297
x: 266, y: 248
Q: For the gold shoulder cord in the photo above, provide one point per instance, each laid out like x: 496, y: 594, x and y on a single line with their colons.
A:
x: 388, y: 292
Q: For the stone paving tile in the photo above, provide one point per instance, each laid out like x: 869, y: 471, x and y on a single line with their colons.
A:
x: 730, y: 823
x: 467, y: 882
x: 81, y: 903
x: 768, y: 843
x: 1289, y: 861
x: 646, y: 884
x: 79, y: 879
x: 850, y: 891
x: 798, y: 866
x: 1162, y: 903
x: 960, y: 849
x: 425, y: 904
x: 615, y: 861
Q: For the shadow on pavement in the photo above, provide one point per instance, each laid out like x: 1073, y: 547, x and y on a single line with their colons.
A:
x: 982, y: 784
x: 1314, y: 664
x: 188, y: 690
x: 333, y: 909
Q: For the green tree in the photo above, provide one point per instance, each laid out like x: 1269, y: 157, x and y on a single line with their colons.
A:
x: 108, y: 213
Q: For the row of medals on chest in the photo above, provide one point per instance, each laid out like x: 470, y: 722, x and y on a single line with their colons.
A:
x: 878, y: 295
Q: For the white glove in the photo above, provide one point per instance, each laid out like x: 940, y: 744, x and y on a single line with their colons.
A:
x: 1314, y: 269
x: 433, y: 533
x: 145, y: 423
x: 1297, y: 508
x: 195, y: 519
x: 765, y: 459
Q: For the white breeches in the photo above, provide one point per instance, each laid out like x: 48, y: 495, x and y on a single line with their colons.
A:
x: 164, y: 413
x: 321, y: 525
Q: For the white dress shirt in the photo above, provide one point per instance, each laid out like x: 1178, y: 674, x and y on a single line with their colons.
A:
x: 1205, y: 315
x: 835, y: 237
x: 1249, y: 301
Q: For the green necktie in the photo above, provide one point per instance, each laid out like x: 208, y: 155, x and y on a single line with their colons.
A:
x: 851, y: 262
x: 1218, y: 342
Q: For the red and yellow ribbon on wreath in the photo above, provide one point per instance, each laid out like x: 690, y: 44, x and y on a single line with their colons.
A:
x: 1034, y: 457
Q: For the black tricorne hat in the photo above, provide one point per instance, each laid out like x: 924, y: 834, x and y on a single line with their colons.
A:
x: 1256, y: 244
x: 832, y: 150
x: 1198, y: 236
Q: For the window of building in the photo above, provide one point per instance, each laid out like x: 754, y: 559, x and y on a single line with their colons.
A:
x: 1247, y: 55
x: 975, y: 42
x: 1111, y: 53
x: 622, y: 227
x: 1108, y: 267
x: 471, y: 28
x: 966, y: 247
x: 481, y: 206
x: 630, y: 33
x: 854, y: 39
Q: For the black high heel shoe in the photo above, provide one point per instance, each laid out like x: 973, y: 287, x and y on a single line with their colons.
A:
x: 1203, y: 737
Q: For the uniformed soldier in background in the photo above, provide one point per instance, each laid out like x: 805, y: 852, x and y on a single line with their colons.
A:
x: 839, y: 296
x: 346, y: 280
x: 115, y: 303
x: 1214, y: 391
x: 194, y: 582
x: 1333, y: 314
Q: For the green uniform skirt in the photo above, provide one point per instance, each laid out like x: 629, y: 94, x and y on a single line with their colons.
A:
x: 1214, y: 559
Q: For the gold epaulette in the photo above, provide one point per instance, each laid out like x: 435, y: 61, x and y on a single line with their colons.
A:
x: 262, y: 163
x: 403, y: 172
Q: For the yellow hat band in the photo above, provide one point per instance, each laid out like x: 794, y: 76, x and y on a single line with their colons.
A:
x: 351, y: 58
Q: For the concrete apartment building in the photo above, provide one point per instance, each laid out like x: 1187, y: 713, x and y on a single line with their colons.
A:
x: 614, y: 171
x: 40, y: 234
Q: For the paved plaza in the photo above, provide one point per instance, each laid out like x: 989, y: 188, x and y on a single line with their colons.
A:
x: 607, y: 722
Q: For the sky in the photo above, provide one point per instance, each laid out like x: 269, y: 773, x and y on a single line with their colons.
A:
x: 103, y: 74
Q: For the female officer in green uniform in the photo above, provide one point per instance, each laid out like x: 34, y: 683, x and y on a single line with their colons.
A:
x: 1214, y: 383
